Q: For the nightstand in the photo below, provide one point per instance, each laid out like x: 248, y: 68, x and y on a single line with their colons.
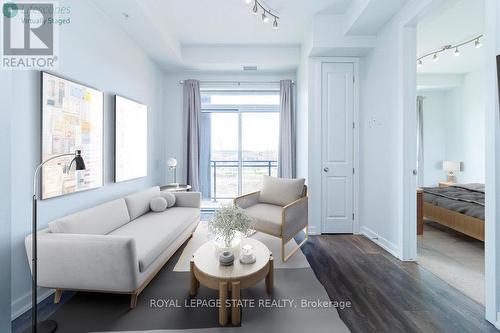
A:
x: 445, y: 184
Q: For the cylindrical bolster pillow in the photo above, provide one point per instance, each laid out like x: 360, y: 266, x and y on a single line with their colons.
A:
x: 158, y: 204
x: 170, y: 197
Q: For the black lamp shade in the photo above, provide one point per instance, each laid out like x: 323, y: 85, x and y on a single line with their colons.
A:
x: 79, y: 162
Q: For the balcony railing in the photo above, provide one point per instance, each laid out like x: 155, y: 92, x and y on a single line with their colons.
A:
x: 246, y: 178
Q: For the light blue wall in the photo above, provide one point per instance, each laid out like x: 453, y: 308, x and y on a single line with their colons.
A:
x: 95, y: 52
x: 434, y: 136
x: 5, y: 202
x: 454, y: 129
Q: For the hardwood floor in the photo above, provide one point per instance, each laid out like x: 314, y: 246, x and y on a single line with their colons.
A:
x: 388, y: 295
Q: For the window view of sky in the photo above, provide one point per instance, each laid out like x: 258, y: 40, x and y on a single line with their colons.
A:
x: 259, y: 141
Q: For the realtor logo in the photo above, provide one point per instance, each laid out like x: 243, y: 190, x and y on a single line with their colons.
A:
x: 28, y: 35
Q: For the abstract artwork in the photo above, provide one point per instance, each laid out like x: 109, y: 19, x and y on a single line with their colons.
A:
x: 72, y: 118
x: 131, y: 139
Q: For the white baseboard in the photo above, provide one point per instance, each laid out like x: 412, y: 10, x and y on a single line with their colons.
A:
x: 382, y: 242
x: 311, y: 230
x: 23, y: 304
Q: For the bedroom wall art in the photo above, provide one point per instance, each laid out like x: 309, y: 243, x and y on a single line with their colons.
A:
x: 131, y: 139
x: 72, y: 118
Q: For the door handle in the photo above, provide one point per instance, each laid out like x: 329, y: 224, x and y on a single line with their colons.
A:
x: 326, y: 169
x: 415, y: 172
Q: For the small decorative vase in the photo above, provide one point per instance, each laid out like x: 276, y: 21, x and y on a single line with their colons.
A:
x: 226, y: 258
x: 247, y: 256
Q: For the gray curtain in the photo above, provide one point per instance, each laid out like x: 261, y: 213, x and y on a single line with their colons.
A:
x: 286, y: 157
x: 192, y: 110
x: 420, y: 140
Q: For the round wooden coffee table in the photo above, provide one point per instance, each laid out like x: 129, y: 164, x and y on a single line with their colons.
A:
x: 206, y: 270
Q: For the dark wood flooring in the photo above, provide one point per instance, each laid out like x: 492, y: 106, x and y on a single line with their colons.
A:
x: 389, y: 295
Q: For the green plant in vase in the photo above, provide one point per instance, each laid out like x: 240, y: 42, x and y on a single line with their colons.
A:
x: 228, y: 225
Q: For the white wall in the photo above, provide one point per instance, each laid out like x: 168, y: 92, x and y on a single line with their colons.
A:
x: 302, y: 109
x: 465, y: 141
x: 434, y: 136
x: 174, y: 121
x: 454, y: 129
x: 95, y: 52
x: 492, y: 125
x: 381, y: 143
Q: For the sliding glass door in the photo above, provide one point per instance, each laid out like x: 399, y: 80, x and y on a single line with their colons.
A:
x: 239, y: 143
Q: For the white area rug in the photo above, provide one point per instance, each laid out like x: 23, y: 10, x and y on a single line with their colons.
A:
x: 200, y: 236
x: 457, y: 260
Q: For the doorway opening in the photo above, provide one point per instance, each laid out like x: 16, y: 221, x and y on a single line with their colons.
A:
x: 451, y: 108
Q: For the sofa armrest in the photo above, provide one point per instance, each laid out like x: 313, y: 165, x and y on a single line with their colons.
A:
x: 187, y: 199
x: 247, y: 200
x: 86, y: 262
x: 295, y: 217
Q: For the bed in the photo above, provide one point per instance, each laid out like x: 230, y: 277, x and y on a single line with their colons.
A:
x: 459, y: 207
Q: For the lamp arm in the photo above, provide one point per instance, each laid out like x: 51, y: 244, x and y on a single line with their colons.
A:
x: 37, y: 171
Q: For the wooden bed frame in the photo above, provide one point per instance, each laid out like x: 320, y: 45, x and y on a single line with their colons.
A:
x: 470, y: 226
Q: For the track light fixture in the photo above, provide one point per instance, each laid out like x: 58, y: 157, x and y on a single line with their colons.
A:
x: 456, y: 53
x: 267, y: 12
x: 477, y: 43
x: 265, y: 19
x: 255, y: 9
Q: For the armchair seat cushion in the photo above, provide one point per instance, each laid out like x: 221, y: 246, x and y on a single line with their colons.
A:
x: 266, y: 218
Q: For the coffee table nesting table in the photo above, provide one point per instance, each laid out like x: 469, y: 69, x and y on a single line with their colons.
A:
x: 206, y: 270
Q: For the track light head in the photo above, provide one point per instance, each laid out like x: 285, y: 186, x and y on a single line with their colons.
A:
x: 435, y: 57
x: 265, y: 18
x: 478, y: 44
x: 275, y: 24
x: 255, y: 9
x: 457, y: 52
x: 419, y: 63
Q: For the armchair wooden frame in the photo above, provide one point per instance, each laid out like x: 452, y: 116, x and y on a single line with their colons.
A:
x: 284, y: 240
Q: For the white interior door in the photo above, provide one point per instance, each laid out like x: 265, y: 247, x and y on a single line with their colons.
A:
x: 337, y: 132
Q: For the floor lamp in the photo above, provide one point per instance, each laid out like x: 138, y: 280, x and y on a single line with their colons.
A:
x: 46, y: 326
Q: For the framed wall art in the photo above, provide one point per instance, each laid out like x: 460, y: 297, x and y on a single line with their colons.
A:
x: 131, y: 139
x: 72, y: 118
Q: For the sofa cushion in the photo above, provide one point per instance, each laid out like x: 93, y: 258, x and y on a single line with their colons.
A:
x: 281, y: 191
x: 138, y: 203
x: 98, y: 220
x: 155, y: 232
x: 266, y: 218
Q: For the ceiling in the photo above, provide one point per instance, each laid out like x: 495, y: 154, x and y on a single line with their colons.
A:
x: 223, y: 35
x: 456, y: 22
x: 222, y: 22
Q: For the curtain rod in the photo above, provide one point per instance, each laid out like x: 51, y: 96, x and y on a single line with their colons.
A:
x: 239, y: 82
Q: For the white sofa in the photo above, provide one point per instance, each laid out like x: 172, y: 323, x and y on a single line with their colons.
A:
x: 116, y: 247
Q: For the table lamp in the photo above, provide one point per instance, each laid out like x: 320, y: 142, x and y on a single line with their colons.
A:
x: 172, y: 165
x: 451, y: 167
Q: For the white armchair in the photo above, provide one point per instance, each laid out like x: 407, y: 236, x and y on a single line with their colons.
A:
x: 280, y: 209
